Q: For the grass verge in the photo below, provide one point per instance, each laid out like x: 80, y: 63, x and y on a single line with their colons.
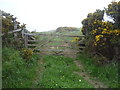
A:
x: 16, y: 72
x: 108, y: 74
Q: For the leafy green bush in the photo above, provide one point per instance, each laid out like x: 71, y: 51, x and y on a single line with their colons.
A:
x: 16, y: 72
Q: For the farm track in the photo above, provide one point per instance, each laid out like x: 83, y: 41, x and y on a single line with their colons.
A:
x: 38, y: 73
x: 51, y: 50
x: 72, y: 53
x: 87, y: 77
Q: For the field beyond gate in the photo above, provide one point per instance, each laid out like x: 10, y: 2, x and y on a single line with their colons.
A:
x: 56, y: 43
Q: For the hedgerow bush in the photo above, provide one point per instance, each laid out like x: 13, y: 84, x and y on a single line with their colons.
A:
x: 18, y: 66
x: 103, y: 37
x: 9, y: 39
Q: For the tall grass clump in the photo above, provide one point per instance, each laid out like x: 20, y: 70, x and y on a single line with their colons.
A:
x: 17, y: 73
x: 107, y: 73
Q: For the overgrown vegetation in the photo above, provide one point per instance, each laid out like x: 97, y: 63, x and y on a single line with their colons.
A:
x: 103, y: 36
x: 17, y: 73
x: 8, y: 24
x: 108, y: 74
x: 102, y: 45
x: 18, y: 66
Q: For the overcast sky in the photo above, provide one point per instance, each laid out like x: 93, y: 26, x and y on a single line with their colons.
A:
x: 44, y: 15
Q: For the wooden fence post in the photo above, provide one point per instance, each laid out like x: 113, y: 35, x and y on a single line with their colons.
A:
x: 22, y: 33
x: 25, y: 38
x: 15, y: 27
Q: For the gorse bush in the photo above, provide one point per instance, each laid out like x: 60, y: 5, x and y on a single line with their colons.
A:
x: 103, y: 36
x: 104, y: 33
x: 27, y: 53
x: 8, y: 39
x: 105, y: 39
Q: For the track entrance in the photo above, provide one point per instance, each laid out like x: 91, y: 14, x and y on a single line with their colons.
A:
x: 55, y: 44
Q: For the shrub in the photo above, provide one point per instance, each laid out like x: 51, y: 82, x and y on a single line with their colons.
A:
x: 8, y: 40
x: 105, y: 40
x: 103, y: 37
x: 27, y: 54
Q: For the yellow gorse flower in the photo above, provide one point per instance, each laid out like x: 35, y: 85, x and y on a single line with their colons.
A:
x: 98, y: 37
x: 111, y: 32
x: 116, y: 32
x: 27, y: 53
x: 94, y: 32
x: 94, y: 22
x: 75, y: 39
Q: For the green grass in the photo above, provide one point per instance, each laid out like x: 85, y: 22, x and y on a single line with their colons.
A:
x: 59, y: 73
x: 54, y: 44
x: 16, y: 72
x: 57, y: 39
x: 108, y: 74
x: 78, y: 32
